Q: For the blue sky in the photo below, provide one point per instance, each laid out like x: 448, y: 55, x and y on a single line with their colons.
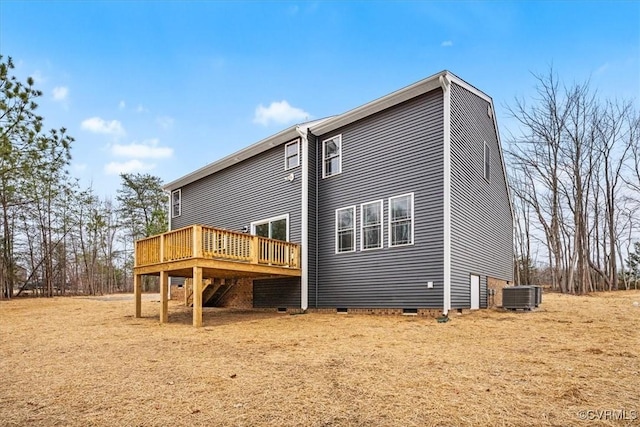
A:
x: 166, y: 87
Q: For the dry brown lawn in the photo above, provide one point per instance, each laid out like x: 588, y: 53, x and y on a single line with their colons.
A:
x: 88, y: 362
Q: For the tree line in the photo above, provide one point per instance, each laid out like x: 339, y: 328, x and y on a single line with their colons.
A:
x: 55, y: 236
x: 574, y: 181
x: 574, y: 170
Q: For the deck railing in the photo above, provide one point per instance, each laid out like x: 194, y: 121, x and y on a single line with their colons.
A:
x: 199, y: 241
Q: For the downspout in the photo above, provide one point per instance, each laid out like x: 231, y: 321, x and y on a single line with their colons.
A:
x: 445, y: 83
x: 304, y: 211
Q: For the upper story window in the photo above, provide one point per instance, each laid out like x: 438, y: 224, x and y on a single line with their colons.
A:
x: 332, y: 156
x: 346, y: 229
x: 371, y: 225
x: 176, y: 203
x: 487, y: 161
x: 292, y: 155
x: 401, y: 220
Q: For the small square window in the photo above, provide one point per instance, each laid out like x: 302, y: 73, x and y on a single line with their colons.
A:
x: 292, y: 155
x: 176, y: 203
x: 332, y: 156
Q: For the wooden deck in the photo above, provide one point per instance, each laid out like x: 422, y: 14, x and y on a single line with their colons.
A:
x: 200, y: 252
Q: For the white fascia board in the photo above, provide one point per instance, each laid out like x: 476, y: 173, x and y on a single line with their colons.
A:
x: 457, y: 80
x: 250, y: 151
x: 246, y: 153
x: 397, y: 97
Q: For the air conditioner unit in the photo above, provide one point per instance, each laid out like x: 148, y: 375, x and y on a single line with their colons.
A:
x: 538, y: 291
x: 519, y: 297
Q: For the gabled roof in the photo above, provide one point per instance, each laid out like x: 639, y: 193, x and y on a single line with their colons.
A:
x: 322, y: 126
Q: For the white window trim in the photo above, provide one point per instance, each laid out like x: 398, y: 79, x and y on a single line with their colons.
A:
x: 381, y: 204
x: 324, y: 175
x: 486, y: 163
x: 413, y: 221
x: 268, y: 220
x: 297, y: 143
x: 335, y: 233
x: 179, y: 192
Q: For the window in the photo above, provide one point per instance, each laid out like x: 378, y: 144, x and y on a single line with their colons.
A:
x: 487, y: 161
x: 292, y: 155
x: 332, y: 156
x: 346, y: 229
x: 401, y: 220
x: 273, y: 228
x: 371, y: 225
x: 176, y: 203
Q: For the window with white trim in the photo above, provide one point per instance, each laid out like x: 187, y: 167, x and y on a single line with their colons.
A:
x: 401, y: 220
x: 346, y: 229
x: 273, y: 228
x: 332, y: 156
x: 176, y: 203
x: 371, y: 225
x: 487, y: 161
x: 292, y: 155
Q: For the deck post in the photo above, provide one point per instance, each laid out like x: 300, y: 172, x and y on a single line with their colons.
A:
x: 253, y: 250
x: 197, y: 296
x: 197, y: 241
x: 137, y: 292
x: 164, y: 305
x: 185, y: 287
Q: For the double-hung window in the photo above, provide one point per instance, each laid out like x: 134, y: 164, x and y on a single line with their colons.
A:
x: 346, y: 229
x: 401, y: 220
x: 292, y: 155
x: 371, y: 225
x: 176, y: 203
x: 332, y: 156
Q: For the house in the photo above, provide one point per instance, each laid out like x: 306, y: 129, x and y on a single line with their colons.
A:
x: 401, y: 203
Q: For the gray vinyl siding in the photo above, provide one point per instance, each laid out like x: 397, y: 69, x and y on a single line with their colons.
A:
x: 251, y: 190
x: 394, y: 152
x: 274, y: 293
x: 313, y: 220
x: 481, y: 223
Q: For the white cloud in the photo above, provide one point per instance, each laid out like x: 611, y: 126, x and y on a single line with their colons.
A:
x: 446, y: 43
x: 279, y: 112
x: 141, y: 109
x: 98, y: 125
x: 38, y: 77
x: 165, y: 122
x: 122, y: 105
x: 148, y: 149
x: 602, y: 69
x: 79, y: 167
x: 116, y: 168
x: 60, y: 93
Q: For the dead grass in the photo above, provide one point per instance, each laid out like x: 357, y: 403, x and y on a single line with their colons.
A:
x: 87, y: 362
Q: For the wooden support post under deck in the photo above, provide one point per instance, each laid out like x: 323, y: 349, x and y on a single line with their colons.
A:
x: 137, y: 291
x: 164, y: 305
x: 185, y: 287
x: 197, y: 296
